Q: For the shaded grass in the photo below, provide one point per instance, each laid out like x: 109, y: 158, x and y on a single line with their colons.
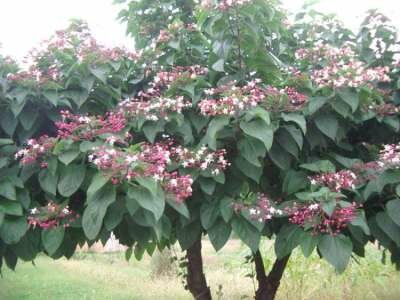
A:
x: 108, y: 276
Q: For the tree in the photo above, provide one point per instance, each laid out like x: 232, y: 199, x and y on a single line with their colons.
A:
x: 234, y: 121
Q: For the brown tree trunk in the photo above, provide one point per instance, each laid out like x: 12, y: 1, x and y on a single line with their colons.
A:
x: 268, y: 285
x: 196, y: 280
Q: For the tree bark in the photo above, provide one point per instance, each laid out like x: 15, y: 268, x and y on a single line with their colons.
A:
x: 268, y: 285
x: 196, y: 280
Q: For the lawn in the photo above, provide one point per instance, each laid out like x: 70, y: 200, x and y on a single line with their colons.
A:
x: 108, y: 276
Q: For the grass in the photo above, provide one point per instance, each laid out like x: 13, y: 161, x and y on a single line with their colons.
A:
x: 108, y: 276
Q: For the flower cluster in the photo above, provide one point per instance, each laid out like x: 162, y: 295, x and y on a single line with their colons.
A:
x: 80, y: 127
x: 230, y: 99
x: 202, y: 158
x: 51, y: 216
x: 389, y: 157
x: 46, y: 62
x: 338, y: 67
x: 264, y: 209
x: 153, y: 109
x: 287, y: 99
x: 313, y: 216
x: 386, y: 109
x: 344, y: 179
x: 150, y: 161
x: 223, y: 5
x: 165, y: 78
x: 35, y: 150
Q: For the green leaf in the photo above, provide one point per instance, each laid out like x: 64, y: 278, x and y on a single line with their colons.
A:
x: 258, y: 112
x: 2, y: 215
x: 308, y: 244
x: 13, y: 229
x: 324, y: 166
x: 388, y: 226
x: 150, y: 130
x: 98, y: 181
x: 214, y: 127
x: 336, y: 250
x: 68, y: 156
x: 294, y: 182
x: 48, y: 181
x: 280, y: 157
x: 188, y: 235
x: 219, y: 234
x: 71, y: 179
x: 393, y: 210
x: 10, y: 207
x: 287, y: 239
x: 329, y: 206
x: 7, y: 190
x: 350, y: 97
x: 147, y: 200
x: 361, y: 222
x: 218, y: 65
x: 226, y: 210
x: 296, y: 118
x: 246, y: 232
x: 209, y: 213
x: 94, y: 213
x: 248, y: 169
x: 179, y: 207
x: 328, y: 125
x: 207, y: 185
x: 252, y: 149
x: 52, y: 239
x: 315, y: 103
x: 259, y: 130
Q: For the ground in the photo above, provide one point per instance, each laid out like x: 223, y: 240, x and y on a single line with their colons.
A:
x: 108, y: 276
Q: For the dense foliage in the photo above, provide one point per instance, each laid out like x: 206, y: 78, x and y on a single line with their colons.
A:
x: 227, y: 118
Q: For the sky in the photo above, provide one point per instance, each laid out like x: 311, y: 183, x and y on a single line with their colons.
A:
x: 24, y: 23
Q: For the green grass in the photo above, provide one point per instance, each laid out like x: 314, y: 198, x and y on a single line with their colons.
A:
x: 108, y: 276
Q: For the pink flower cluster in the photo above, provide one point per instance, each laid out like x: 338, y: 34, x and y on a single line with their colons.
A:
x: 313, y: 216
x: 45, y: 63
x: 149, y: 161
x: 165, y: 78
x: 80, y: 127
x: 339, y: 67
x: 202, y: 159
x: 386, y: 109
x: 35, y: 150
x: 230, y: 99
x: 153, y: 109
x: 51, y: 216
x: 164, y: 36
x: 389, y: 157
x: 344, y: 179
x: 264, y: 209
x: 223, y: 5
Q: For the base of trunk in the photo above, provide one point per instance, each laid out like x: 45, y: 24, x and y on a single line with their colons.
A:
x: 196, y: 280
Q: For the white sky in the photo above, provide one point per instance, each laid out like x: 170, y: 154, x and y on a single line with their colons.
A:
x: 24, y: 23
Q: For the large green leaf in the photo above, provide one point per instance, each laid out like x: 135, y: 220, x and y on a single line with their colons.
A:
x: 48, y: 181
x: 287, y: 239
x: 336, y: 249
x: 324, y: 166
x: 328, y: 125
x: 154, y: 203
x: 259, y: 130
x: 71, y: 179
x: 252, y: 149
x: 13, y: 229
x: 219, y: 234
x: 393, y: 210
x: 215, y: 126
x: 388, y: 226
x: 94, y: 213
x: 209, y: 213
x: 246, y: 232
x: 7, y: 190
x: 296, y: 118
x: 52, y: 239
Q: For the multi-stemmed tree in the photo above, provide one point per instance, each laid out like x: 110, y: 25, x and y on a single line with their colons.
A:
x: 227, y: 118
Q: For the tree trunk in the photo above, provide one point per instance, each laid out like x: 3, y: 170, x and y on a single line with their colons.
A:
x: 196, y: 280
x: 268, y: 285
